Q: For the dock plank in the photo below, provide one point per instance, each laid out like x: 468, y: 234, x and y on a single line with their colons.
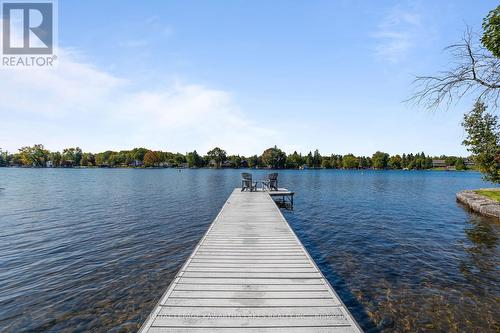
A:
x: 250, y: 273
x: 251, y: 287
x: 311, y: 329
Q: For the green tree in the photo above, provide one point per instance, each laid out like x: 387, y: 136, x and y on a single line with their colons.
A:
x: 459, y: 164
x: 3, y: 158
x: 99, y: 159
x: 194, y: 160
x: 350, y: 161
x: 326, y: 162
x: 309, y: 160
x: 316, y: 160
x: 111, y: 160
x: 274, y: 158
x: 450, y: 160
x: 16, y: 160
x: 491, y: 31
x: 380, y: 160
x: 102, y: 159
x: 56, y: 158
x: 294, y: 161
x: 178, y: 159
x: 88, y: 159
x: 122, y: 158
x: 363, y: 162
x: 395, y: 162
x: 404, y: 161
x: 217, y: 155
x: 138, y: 154
x: 36, y: 156
x: 234, y: 161
x: 253, y: 161
x: 483, y: 141
x: 72, y: 156
x: 336, y: 161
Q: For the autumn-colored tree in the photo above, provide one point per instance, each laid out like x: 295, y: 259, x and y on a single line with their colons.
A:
x: 151, y: 159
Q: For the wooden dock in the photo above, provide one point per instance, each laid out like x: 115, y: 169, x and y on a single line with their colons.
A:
x: 250, y: 273
x: 285, y: 197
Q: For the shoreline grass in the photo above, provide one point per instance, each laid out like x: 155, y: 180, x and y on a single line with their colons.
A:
x: 490, y: 193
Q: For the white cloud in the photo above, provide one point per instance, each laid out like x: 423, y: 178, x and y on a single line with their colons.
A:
x: 397, y: 34
x: 79, y: 104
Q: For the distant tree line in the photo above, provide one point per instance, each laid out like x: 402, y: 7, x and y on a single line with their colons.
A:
x: 38, y: 156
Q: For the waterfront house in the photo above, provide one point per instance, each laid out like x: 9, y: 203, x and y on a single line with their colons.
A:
x: 67, y: 163
x: 469, y: 163
x: 439, y: 164
x: 136, y: 163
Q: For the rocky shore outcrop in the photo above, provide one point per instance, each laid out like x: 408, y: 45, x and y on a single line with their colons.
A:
x: 479, y: 203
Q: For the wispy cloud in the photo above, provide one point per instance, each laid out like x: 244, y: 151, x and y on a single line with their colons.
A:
x: 398, y: 33
x: 79, y: 104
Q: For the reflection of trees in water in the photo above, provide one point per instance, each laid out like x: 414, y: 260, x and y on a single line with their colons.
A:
x: 484, y: 232
x: 480, y: 267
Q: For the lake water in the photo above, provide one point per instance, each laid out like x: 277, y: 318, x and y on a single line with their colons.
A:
x: 94, y: 249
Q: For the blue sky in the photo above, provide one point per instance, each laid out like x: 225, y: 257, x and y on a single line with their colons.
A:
x: 242, y: 75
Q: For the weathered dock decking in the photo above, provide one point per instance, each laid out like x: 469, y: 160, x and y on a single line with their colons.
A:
x: 250, y: 273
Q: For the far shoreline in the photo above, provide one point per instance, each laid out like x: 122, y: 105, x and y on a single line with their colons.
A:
x: 233, y: 168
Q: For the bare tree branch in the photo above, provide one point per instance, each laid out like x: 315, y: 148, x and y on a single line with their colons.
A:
x: 474, y: 71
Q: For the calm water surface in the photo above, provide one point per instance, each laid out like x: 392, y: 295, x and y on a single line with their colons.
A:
x: 93, y: 250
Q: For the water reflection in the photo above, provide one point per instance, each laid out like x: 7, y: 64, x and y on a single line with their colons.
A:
x: 480, y: 267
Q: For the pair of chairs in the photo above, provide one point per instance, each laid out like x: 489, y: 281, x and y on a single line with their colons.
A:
x: 270, y: 184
